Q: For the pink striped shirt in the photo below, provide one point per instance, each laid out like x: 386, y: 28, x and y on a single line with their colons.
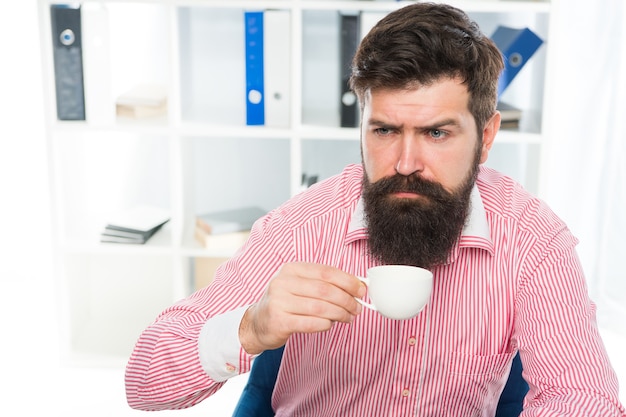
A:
x: 512, y: 282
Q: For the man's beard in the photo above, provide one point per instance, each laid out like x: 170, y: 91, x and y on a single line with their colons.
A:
x: 419, y: 232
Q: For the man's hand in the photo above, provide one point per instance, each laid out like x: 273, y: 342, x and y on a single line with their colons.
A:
x: 300, y: 298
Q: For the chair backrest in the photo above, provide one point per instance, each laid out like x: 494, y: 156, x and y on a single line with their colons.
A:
x: 256, y: 398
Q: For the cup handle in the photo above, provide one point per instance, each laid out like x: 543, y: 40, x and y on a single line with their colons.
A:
x: 363, y: 303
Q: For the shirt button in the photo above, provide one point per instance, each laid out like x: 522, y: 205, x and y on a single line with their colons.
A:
x: 412, y: 341
x: 230, y: 367
x: 405, y: 392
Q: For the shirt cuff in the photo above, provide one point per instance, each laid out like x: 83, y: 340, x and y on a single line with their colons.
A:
x: 219, y: 348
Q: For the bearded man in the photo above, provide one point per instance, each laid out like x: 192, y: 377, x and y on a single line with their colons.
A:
x: 506, y: 275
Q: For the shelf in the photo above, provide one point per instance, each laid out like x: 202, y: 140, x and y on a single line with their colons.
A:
x: 89, y: 243
x: 201, y: 156
x: 515, y: 137
x: 207, y: 130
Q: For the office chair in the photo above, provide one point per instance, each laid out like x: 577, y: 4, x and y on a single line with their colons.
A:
x: 256, y: 397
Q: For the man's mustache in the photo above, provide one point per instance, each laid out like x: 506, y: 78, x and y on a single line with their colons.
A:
x: 410, y: 184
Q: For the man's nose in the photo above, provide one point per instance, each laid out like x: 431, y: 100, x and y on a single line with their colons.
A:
x: 410, y: 159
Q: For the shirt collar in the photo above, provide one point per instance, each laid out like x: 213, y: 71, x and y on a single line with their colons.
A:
x: 475, y: 233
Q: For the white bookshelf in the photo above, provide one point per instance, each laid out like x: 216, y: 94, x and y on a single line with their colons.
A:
x: 202, y: 156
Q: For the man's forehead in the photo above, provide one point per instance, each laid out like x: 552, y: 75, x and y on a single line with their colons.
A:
x: 417, y: 85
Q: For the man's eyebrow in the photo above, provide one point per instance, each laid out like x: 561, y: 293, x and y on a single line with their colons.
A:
x: 435, y: 125
x: 441, y: 123
x: 381, y: 123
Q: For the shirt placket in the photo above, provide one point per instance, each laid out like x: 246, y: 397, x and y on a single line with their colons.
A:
x: 408, y: 370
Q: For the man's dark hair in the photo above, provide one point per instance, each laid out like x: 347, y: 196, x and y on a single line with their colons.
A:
x: 423, y: 43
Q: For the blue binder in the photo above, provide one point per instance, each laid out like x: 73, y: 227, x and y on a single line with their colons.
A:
x: 517, y: 46
x: 255, y: 92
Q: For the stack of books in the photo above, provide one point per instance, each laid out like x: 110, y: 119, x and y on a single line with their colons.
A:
x: 134, y: 226
x: 227, y: 228
x: 144, y: 100
x: 510, y: 115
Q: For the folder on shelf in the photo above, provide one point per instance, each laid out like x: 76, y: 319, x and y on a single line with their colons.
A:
x: 67, y: 52
x: 350, y: 36
x: 517, y: 46
x: 255, y: 91
x: 277, y: 67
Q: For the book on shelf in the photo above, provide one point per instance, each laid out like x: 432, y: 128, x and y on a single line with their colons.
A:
x: 232, y: 240
x: 143, y: 100
x: 114, y: 234
x: 134, y: 226
x: 509, y: 115
x: 228, y: 221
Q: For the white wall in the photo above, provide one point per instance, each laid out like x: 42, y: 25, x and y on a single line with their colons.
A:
x: 22, y: 153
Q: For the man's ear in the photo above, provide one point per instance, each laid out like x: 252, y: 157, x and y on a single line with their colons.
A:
x: 489, y: 134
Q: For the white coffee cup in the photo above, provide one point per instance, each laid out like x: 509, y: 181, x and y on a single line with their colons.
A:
x: 398, y: 291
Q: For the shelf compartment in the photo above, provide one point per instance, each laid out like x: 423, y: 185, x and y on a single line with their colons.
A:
x: 110, y: 299
x: 228, y: 173
x: 324, y: 158
x: 121, y: 51
x: 213, y: 65
x: 101, y: 173
x: 237, y: 172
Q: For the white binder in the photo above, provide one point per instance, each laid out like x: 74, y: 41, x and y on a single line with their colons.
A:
x: 277, y: 67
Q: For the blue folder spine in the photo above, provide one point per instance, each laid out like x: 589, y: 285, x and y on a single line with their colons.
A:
x: 517, y: 46
x: 255, y: 93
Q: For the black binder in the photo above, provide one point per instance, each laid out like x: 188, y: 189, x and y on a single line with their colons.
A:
x: 349, y: 42
x: 68, y: 61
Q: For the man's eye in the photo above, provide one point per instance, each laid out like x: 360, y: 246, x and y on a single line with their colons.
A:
x: 382, y: 131
x: 437, y: 134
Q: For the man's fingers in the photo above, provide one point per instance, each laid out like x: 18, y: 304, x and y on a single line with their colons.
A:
x: 317, y: 297
x: 301, y: 298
